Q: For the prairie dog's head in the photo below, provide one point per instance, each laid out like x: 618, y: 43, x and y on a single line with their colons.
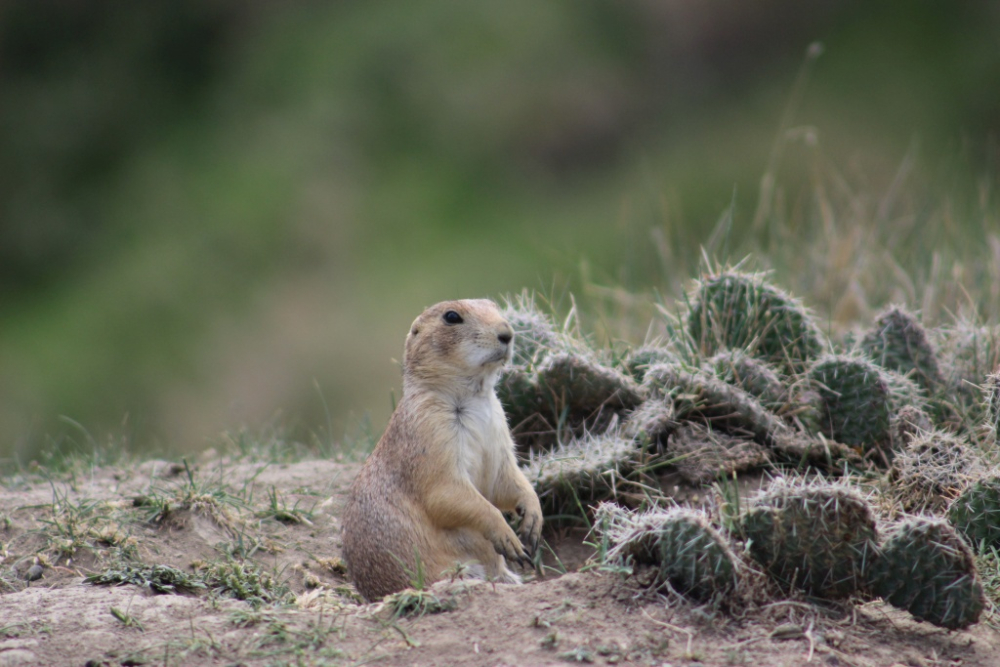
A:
x: 458, y: 343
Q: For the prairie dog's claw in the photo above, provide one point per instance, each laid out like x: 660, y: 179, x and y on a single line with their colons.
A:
x: 531, y: 527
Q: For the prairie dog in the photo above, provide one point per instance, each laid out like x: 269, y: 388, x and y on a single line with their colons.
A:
x: 444, y: 471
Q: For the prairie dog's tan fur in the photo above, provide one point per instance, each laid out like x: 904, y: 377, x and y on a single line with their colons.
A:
x: 444, y: 471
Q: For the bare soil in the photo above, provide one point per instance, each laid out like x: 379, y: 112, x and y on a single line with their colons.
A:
x: 86, y: 523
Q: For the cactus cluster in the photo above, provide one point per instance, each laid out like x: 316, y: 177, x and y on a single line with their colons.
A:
x: 679, y: 546
x: 820, y: 538
x: 735, y: 310
x: 753, y: 368
x: 898, y: 342
x: 925, y: 568
x: 976, y: 512
x: 750, y: 383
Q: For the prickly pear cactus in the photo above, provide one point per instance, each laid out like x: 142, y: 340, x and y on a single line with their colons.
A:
x: 700, y: 396
x: 806, y: 408
x: 750, y: 374
x: 855, y: 402
x: 575, y: 475
x: 651, y: 423
x: 636, y: 362
x: 521, y: 398
x: 737, y: 310
x: 908, y: 423
x: 969, y: 352
x: 897, y: 341
x: 931, y: 469
x: 682, y: 547
x: 976, y: 513
x: 903, y: 392
x: 817, y: 537
x: 702, y: 455
x: 926, y: 568
x: 580, y: 384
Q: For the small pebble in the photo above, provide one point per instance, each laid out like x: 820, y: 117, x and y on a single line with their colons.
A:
x: 34, y: 572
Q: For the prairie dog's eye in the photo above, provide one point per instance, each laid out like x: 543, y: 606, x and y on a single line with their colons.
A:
x: 451, y: 317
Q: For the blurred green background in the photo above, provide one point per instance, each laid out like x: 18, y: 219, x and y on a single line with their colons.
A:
x: 216, y: 213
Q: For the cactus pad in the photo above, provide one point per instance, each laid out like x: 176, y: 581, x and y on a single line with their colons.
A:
x: 926, y: 568
x: 750, y: 374
x: 639, y: 360
x: 535, y: 334
x: 908, y: 423
x: 904, y: 392
x: 579, y: 383
x: 933, y: 468
x: 700, y: 396
x: 681, y: 546
x: 855, y: 399
x: 897, y: 341
x: 742, y: 311
x: 702, y: 455
x: 976, y: 513
x: 573, y: 476
x: 519, y: 393
x: 651, y: 423
x: 820, y: 538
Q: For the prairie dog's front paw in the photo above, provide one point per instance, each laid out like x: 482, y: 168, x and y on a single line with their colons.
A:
x: 506, y: 544
x: 531, y: 524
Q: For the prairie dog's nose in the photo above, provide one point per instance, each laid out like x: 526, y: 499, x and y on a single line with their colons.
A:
x: 506, y: 335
